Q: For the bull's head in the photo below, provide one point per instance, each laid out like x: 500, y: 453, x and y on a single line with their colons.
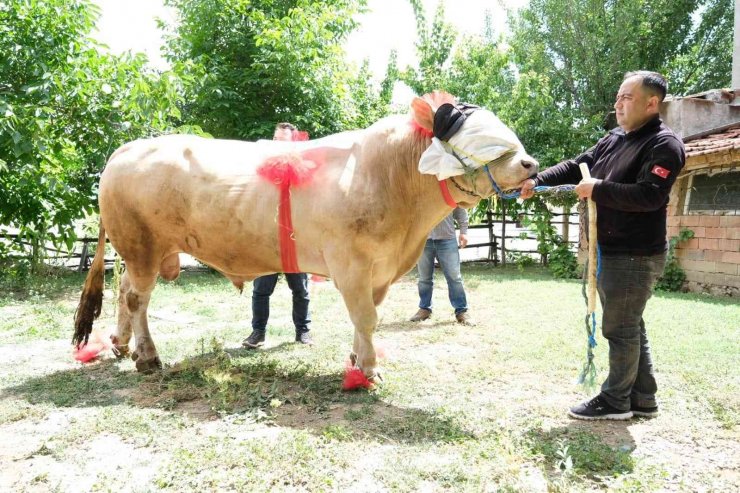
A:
x: 468, y: 140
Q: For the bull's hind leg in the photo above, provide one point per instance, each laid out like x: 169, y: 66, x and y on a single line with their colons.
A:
x: 122, y: 335
x: 137, y: 301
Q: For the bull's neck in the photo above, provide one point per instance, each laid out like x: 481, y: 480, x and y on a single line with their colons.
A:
x: 432, y: 204
x: 431, y: 207
x: 403, y: 187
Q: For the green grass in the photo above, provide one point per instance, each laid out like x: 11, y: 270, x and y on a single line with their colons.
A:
x: 462, y: 408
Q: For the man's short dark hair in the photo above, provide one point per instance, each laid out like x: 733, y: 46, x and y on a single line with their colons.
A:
x: 653, y: 82
x: 285, y: 126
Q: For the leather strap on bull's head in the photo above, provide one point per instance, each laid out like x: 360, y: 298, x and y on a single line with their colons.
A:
x: 449, y: 118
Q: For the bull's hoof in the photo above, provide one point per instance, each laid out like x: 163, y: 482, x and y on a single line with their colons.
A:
x: 353, y: 358
x: 375, y: 380
x: 134, y: 355
x: 147, y: 367
x: 120, y: 350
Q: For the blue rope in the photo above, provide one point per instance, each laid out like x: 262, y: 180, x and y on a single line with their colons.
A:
x: 588, y: 373
x: 592, y: 332
x: 515, y: 194
x: 541, y: 189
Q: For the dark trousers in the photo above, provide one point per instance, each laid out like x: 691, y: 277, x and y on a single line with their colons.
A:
x: 264, y: 286
x: 625, y: 285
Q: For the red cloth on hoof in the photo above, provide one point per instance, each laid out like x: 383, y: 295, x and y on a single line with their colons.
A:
x: 97, y: 343
x: 286, y: 171
x: 354, y: 378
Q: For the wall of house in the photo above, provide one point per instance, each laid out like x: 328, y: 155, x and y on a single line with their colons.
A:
x: 689, y: 116
x: 711, y: 259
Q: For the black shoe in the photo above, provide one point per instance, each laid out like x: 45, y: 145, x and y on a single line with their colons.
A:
x: 598, y: 408
x: 304, y: 337
x: 644, y: 412
x: 255, y: 339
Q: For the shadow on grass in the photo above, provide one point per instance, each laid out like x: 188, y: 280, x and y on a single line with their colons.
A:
x: 591, y: 449
x: 697, y: 298
x: 262, y: 384
x: 406, y: 326
x: 90, y: 386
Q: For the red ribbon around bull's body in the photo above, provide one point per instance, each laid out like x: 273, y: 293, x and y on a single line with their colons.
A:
x: 288, y: 171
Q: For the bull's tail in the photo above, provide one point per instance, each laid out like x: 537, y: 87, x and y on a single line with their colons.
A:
x: 91, y: 300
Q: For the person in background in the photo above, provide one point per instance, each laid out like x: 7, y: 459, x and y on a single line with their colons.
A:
x: 263, y: 287
x: 442, y: 245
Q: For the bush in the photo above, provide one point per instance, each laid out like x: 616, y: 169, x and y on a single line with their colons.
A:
x: 673, y: 276
x: 562, y: 263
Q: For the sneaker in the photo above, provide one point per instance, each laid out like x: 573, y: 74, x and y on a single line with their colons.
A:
x: 255, y: 339
x: 644, y: 412
x: 463, y: 318
x: 598, y: 408
x: 304, y: 337
x: 422, y: 314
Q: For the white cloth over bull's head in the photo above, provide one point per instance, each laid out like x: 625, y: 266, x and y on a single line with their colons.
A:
x: 481, y: 139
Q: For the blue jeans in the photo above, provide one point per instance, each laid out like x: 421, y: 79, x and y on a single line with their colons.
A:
x: 264, y: 286
x: 625, y: 284
x: 448, y: 256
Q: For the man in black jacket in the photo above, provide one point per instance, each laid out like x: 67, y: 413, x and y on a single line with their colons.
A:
x: 633, y: 168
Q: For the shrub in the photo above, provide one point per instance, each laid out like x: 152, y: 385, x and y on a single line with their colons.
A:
x: 673, y: 276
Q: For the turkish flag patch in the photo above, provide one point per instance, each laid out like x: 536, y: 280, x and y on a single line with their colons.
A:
x: 660, y: 171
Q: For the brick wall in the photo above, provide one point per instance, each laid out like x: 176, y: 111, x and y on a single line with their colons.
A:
x: 711, y: 259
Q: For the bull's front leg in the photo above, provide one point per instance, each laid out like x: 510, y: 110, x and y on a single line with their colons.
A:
x: 355, y: 286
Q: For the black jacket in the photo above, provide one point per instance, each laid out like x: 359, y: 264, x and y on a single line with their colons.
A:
x: 638, y: 170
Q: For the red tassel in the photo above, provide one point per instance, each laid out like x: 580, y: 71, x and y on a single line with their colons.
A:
x: 299, y: 135
x: 354, y: 378
x: 97, y: 343
x: 286, y: 171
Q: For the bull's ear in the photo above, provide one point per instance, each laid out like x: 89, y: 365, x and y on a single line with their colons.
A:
x: 438, y: 98
x: 423, y: 114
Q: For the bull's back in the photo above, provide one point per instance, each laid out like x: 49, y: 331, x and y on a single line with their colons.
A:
x: 180, y: 193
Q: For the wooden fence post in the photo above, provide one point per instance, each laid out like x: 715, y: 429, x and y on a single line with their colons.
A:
x: 503, y: 232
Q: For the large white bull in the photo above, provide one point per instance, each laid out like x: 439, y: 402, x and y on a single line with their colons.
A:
x: 353, y: 206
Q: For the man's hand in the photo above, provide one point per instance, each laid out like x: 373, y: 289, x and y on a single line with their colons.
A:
x: 463, y: 240
x: 586, y: 187
x: 527, y: 189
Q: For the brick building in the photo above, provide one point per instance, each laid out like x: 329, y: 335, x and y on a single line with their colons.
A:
x: 706, y: 200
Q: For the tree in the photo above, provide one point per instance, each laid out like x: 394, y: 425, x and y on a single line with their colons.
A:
x: 247, y: 65
x: 433, y: 47
x: 64, y: 107
x: 585, y: 47
x: 707, y: 64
